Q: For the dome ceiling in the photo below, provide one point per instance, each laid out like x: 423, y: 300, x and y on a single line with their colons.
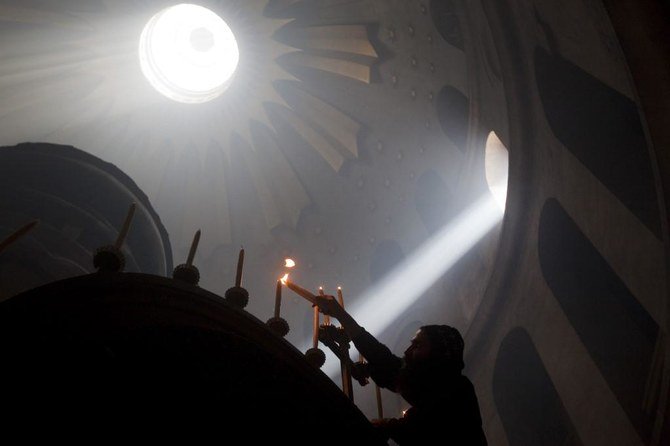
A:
x: 350, y: 133
x: 77, y: 82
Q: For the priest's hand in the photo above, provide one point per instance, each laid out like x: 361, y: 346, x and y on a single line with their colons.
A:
x: 328, y: 305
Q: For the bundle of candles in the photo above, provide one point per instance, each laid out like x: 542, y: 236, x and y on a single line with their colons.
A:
x: 333, y: 337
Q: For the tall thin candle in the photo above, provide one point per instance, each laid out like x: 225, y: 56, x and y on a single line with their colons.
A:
x: 346, y: 373
x: 277, y: 298
x: 315, y: 327
x: 380, y: 408
x: 16, y: 235
x: 240, y: 265
x: 126, y: 226
x: 194, y: 247
x: 301, y: 291
x: 340, y: 299
x: 326, y: 318
x: 378, y: 393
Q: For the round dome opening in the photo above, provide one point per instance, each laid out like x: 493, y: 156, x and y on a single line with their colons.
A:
x: 188, y: 53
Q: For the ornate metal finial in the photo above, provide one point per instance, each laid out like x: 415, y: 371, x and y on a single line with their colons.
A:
x: 316, y: 357
x: 237, y: 296
x: 278, y: 325
x: 109, y: 259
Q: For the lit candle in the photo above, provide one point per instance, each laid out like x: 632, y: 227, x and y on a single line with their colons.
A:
x: 277, y: 298
x: 326, y: 318
x: 315, y: 335
x: 240, y: 264
x: 194, y: 247
x: 300, y: 291
x: 126, y: 226
x: 343, y: 374
x: 340, y: 299
x: 345, y: 371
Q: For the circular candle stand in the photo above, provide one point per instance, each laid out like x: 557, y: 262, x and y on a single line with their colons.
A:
x: 316, y: 357
x: 109, y: 259
x: 186, y: 273
x: 278, y: 325
x: 174, y: 356
x: 237, y: 297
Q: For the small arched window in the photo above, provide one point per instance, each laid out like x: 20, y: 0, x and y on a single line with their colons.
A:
x: 496, y: 161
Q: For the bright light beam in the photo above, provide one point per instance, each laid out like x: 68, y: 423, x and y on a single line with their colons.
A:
x: 380, y: 305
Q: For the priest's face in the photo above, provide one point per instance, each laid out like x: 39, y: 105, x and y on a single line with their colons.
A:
x: 418, y: 350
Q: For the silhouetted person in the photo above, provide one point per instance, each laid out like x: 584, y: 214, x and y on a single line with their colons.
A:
x: 444, y: 405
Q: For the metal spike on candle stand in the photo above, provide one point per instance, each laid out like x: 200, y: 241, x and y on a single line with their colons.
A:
x: 187, y: 272
x: 344, y: 343
x: 326, y: 318
x: 276, y: 323
x: 314, y: 355
x: 238, y: 296
x: 18, y: 234
x: 110, y: 258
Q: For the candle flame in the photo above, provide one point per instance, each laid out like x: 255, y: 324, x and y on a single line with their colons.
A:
x: 289, y: 263
x: 339, y: 288
x: 284, y: 279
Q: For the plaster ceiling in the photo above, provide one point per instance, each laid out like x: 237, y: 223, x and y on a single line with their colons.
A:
x: 328, y: 145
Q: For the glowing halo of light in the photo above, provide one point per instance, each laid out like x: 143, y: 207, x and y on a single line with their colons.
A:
x: 188, y: 53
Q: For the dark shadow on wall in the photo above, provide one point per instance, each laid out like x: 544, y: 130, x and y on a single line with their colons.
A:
x: 616, y: 330
x: 602, y: 128
x: 453, y: 112
x: 446, y: 21
x: 529, y: 406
